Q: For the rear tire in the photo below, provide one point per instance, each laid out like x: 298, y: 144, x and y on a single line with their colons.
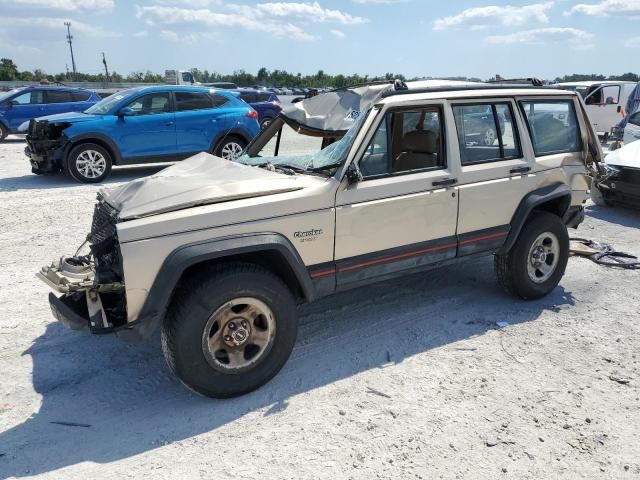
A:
x: 3, y: 132
x: 89, y: 163
x: 536, y: 263
x: 265, y: 122
x: 229, y: 329
x: 230, y: 148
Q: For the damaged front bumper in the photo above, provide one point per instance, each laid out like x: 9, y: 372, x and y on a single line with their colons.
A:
x: 84, y: 304
x: 621, y: 186
x: 46, y: 144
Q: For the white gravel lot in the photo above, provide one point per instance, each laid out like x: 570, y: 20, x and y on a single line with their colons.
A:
x: 405, y: 379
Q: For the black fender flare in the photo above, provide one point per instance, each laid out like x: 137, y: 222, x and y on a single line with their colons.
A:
x: 236, y: 131
x: 177, y: 262
x: 529, y: 203
x: 93, y: 136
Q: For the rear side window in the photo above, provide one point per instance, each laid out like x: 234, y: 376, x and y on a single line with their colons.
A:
x: 486, y: 133
x: 81, y: 96
x: 405, y: 141
x: 151, y: 104
x: 59, y: 96
x: 553, y: 126
x: 249, y: 97
x: 219, y: 100
x: 192, y: 101
x: 264, y: 97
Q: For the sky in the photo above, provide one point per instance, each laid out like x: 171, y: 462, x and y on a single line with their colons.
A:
x: 478, y: 38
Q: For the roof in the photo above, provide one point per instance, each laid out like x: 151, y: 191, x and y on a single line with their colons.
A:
x: 592, y: 82
x: 334, y: 112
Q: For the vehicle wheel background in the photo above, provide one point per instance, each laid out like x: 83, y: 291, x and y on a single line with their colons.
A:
x: 598, y: 197
x: 511, y: 268
x: 88, y: 151
x: 229, y: 145
x: 265, y: 122
x: 193, y: 304
x: 488, y: 137
x: 3, y: 132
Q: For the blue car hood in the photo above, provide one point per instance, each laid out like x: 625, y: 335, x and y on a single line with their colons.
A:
x: 69, y: 117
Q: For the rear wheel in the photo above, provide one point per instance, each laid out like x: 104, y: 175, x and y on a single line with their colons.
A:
x: 3, y: 132
x: 537, y: 261
x: 229, y: 330
x: 265, y: 122
x: 89, y: 163
x: 230, y: 148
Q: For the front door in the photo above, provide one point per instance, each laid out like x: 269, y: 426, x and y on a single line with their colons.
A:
x: 150, y: 133
x: 402, y: 215
x: 25, y: 107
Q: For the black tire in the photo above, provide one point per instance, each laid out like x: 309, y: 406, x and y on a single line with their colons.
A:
x: 3, y: 132
x: 264, y: 123
x: 188, y: 317
x: 231, y: 142
x: 36, y: 171
x: 512, y: 269
x: 84, y: 175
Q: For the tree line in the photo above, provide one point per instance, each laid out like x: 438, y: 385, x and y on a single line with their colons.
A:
x: 279, y: 78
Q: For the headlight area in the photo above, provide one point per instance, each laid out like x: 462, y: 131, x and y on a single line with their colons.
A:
x: 92, y: 285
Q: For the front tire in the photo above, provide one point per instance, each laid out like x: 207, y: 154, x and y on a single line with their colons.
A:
x: 229, y: 330
x: 89, y: 163
x: 536, y: 263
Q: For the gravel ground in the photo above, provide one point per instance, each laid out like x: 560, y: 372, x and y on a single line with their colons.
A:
x: 405, y: 379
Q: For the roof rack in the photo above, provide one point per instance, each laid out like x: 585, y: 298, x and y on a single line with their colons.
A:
x: 457, y: 88
x: 536, y: 82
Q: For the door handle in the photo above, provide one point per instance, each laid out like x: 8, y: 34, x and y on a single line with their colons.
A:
x: 170, y: 124
x: 444, y: 183
x: 520, y: 170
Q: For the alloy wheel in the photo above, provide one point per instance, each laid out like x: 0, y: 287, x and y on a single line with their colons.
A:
x: 91, y: 164
x: 543, y: 258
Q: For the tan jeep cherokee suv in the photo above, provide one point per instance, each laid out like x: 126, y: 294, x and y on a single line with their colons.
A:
x: 343, y: 189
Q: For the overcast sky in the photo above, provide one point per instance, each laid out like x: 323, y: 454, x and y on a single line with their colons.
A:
x: 414, y: 37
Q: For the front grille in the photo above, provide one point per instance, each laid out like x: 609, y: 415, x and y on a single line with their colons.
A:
x: 104, y: 243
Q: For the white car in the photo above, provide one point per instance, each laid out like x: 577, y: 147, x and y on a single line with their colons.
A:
x: 632, y: 130
x: 620, y: 182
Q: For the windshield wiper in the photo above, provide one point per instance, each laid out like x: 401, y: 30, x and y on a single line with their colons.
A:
x: 286, y: 169
x: 324, y: 168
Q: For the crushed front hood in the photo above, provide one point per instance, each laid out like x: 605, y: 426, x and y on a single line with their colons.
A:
x: 200, y: 180
x: 627, y: 156
x: 69, y: 117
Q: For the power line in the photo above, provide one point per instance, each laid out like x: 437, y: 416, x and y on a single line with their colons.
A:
x: 70, y: 42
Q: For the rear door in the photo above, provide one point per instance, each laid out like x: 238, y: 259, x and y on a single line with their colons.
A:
x: 59, y: 101
x: 149, y: 134
x: 496, y: 172
x: 403, y: 214
x: 26, y: 106
x: 199, y: 118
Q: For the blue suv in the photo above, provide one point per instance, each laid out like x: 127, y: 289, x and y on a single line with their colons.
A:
x: 22, y: 104
x: 141, y: 125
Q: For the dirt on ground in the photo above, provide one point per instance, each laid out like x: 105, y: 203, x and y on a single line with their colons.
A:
x: 412, y: 378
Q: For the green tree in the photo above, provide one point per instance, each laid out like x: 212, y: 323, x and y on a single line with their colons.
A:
x: 8, y: 69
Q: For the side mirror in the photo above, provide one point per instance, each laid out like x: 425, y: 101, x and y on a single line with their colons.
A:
x: 11, y: 103
x: 126, y: 112
x: 353, y: 174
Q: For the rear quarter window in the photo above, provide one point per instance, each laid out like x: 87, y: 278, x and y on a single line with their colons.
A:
x: 59, y: 96
x: 553, y: 126
x: 81, y: 96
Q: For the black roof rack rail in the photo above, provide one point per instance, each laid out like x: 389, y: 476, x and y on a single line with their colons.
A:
x: 457, y: 88
x: 536, y: 82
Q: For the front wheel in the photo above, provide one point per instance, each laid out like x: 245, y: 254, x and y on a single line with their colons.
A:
x: 536, y: 263
x: 89, y: 163
x: 229, y: 330
x: 230, y: 148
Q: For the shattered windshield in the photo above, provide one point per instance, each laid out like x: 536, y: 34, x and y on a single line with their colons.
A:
x: 304, y: 152
x: 105, y: 105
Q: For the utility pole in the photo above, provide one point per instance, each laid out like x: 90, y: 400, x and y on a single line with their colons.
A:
x: 106, y: 69
x: 70, y: 42
x: 66, y: 66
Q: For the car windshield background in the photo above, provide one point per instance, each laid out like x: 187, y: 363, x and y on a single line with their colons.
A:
x: 151, y: 104
x: 193, y: 101
x: 486, y: 133
x: 105, y: 105
x: 405, y: 141
x: 553, y: 126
